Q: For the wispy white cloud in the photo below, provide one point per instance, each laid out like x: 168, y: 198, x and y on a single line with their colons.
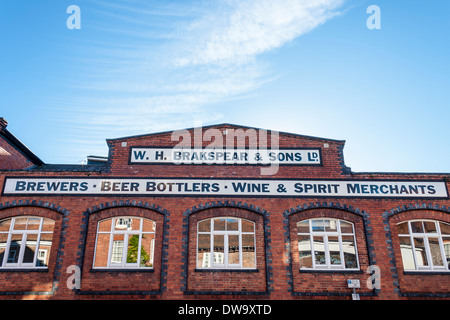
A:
x: 164, y: 67
x: 244, y: 29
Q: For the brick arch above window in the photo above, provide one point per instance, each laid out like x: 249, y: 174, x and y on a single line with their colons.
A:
x: 420, y: 208
x: 115, y: 211
x: 226, y: 204
x: 325, y: 205
x: 415, y: 211
x: 126, y: 203
x: 37, y: 209
x: 31, y: 204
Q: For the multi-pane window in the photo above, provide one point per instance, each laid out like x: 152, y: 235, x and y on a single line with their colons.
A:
x: 125, y: 242
x: 327, y: 244
x: 226, y: 242
x: 25, y: 242
x: 425, y: 245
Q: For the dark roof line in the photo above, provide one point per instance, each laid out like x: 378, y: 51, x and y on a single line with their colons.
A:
x: 17, y: 144
x: 225, y: 125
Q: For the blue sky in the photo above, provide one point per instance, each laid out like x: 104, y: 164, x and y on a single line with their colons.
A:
x: 304, y: 66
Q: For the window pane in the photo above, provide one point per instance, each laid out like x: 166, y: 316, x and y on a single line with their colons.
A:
x: 25, y: 253
x: 330, y: 225
x: 430, y: 226
x: 407, y: 253
x: 233, y: 249
x: 346, y: 227
x: 317, y: 225
x: 349, y: 250
x: 219, y: 224
x: 333, y: 248
x: 334, y: 251
x: 247, y: 226
x: 47, y: 225
x: 402, y: 228
x: 45, y: 244
x: 137, y: 233
x: 446, y: 242
x: 240, y: 247
x: 133, y: 248
x: 319, y: 250
x: 445, y: 228
x: 303, y: 226
x: 101, y: 252
x: 147, y: 249
x: 204, y: 226
x: 304, y: 248
x: 20, y: 224
x: 135, y: 224
x: 420, y: 253
x: 435, y: 251
x: 148, y: 225
x: 232, y: 225
x: 4, y: 225
x: 117, y: 248
x: 105, y: 225
x: 219, y: 249
x: 416, y: 227
x: 204, y: 251
x: 248, y: 251
x: 33, y: 223
x: 122, y: 224
x: 14, y: 248
x: 30, y: 248
x: 3, y: 240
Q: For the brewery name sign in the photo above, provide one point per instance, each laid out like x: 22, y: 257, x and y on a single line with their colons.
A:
x: 229, y: 156
x: 224, y: 187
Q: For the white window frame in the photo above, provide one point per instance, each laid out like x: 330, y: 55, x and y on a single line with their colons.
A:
x: 125, y: 233
x: 426, y: 236
x: 215, y: 259
x: 23, y: 243
x: 325, y: 235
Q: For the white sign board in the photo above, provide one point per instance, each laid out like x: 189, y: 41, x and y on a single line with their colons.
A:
x: 231, y: 156
x: 224, y: 187
x: 353, y: 283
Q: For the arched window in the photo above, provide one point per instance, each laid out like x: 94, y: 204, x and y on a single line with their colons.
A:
x: 425, y: 245
x: 327, y: 243
x: 226, y: 242
x: 125, y: 242
x: 25, y: 242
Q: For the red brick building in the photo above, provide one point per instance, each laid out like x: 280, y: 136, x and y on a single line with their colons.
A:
x: 167, y: 218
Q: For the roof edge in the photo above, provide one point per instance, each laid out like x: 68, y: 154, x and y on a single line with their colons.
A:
x: 19, y: 146
x: 225, y: 124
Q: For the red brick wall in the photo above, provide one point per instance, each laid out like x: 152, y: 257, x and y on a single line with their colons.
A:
x: 174, y: 277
